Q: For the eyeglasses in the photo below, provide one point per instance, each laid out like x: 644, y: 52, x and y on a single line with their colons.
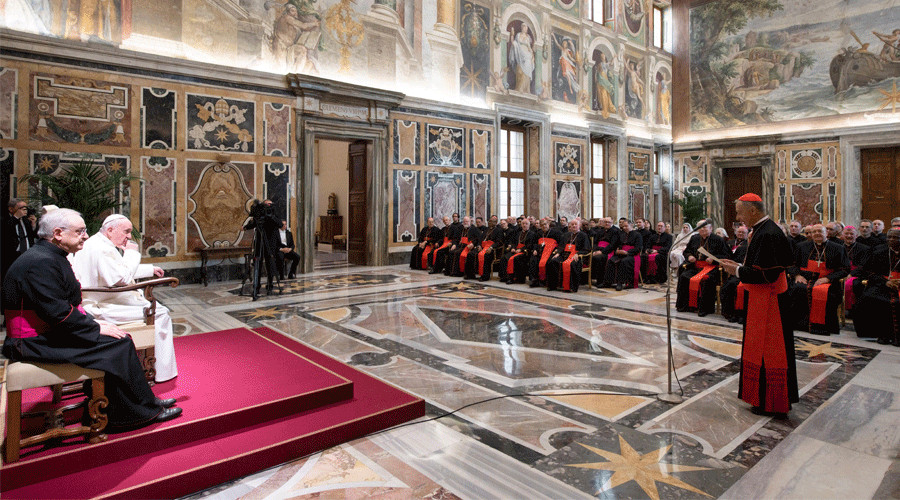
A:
x: 79, y: 231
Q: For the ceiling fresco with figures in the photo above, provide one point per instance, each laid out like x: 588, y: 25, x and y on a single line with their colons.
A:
x: 544, y: 54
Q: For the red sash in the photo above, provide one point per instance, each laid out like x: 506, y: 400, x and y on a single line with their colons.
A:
x: 443, y: 246
x: 485, y: 246
x: 510, y: 264
x: 739, y: 297
x: 602, y: 244
x: 428, y: 248
x: 651, y: 260
x: 567, y: 266
x: 764, y: 346
x: 895, y: 275
x: 694, y: 287
x: 549, y: 246
x: 849, y: 296
x: 25, y: 323
x: 637, y: 266
x: 464, y: 253
x: 819, y: 295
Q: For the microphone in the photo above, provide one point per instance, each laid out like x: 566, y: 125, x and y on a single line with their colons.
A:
x: 704, y: 222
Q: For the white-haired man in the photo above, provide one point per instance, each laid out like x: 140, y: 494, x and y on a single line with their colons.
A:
x: 46, y: 323
x: 110, y: 258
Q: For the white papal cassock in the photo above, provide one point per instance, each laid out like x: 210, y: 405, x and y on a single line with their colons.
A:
x: 99, y: 264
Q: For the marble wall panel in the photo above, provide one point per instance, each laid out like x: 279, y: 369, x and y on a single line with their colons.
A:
x: 51, y: 162
x: 481, y: 195
x: 9, y: 102
x: 406, y: 142
x: 534, y: 196
x: 277, y: 178
x: 219, y: 124
x: 277, y: 129
x: 481, y: 149
x: 79, y: 111
x: 639, y: 166
x: 569, y: 195
x: 568, y: 158
x: 806, y: 203
x: 406, y: 205
x: 612, y: 159
x: 7, y: 169
x: 158, y: 117
x: 218, y: 198
x: 158, y: 202
x: 639, y: 201
x: 444, y: 194
x: 446, y: 146
x: 808, y: 173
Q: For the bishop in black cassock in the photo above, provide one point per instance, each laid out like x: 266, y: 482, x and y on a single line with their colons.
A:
x: 768, y: 369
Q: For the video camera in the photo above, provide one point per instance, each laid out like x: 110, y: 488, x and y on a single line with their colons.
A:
x: 259, y: 210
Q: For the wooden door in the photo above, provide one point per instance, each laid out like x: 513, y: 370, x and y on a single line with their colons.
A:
x: 358, y: 222
x: 737, y: 181
x: 880, y: 183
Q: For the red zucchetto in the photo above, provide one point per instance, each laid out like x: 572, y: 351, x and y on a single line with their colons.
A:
x: 750, y: 197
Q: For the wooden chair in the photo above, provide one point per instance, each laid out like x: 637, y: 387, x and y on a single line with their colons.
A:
x: 19, y: 376
x: 144, y: 335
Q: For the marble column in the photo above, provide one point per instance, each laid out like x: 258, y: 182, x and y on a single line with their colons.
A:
x: 446, y: 52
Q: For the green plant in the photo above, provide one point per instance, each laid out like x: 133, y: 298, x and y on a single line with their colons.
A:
x: 693, y: 206
x: 83, y: 186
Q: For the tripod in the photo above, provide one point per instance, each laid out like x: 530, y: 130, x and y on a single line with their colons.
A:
x: 262, y: 250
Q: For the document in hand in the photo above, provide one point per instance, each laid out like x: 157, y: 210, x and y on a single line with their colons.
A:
x: 709, y: 257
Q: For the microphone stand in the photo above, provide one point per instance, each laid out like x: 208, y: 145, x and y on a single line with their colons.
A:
x: 670, y: 396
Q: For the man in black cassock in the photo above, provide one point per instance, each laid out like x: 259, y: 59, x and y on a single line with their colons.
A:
x: 521, y: 243
x: 858, y: 255
x: 491, y: 246
x: 877, y: 310
x: 549, y: 238
x: 768, y: 379
x: 702, y: 298
x: 606, y: 245
x: 427, y: 238
x: 654, y: 264
x: 468, y: 240
x: 439, y: 254
x: 867, y: 235
x: 42, y: 306
x: 620, y: 266
x: 564, y: 267
x: 732, y: 309
x: 820, y: 265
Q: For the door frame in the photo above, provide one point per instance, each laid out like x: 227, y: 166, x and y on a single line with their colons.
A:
x: 717, y: 183
x: 851, y: 175
x: 376, y: 188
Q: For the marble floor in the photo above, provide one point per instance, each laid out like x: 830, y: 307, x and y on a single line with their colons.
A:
x: 554, y: 395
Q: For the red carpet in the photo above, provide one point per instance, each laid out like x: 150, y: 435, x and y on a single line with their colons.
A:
x: 251, y: 399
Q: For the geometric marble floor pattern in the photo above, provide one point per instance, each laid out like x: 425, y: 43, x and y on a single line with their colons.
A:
x: 557, y: 395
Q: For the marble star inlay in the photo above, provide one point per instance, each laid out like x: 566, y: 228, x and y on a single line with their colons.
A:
x: 826, y: 349
x: 258, y: 313
x: 644, y: 469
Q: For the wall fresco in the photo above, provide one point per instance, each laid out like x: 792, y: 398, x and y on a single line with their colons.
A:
x: 791, y: 60
x: 474, y: 30
x: 566, y: 84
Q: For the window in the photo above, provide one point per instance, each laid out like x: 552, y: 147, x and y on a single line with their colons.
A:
x: 512, y: 171
x: 602, y: 11
x: 598, y: 162
x: 662, y: 28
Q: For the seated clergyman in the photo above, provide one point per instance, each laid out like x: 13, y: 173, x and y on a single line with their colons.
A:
x: 109, y: 258
x: 46, y: 323
x: 819, y: 267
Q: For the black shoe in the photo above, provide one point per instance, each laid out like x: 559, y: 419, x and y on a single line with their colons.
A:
x: 883, y: 341
x: 534, y: 284
x: 702, y: 313
x: 757, y: 410
x: 291, y: 277
x: 165, y: 403
x: 167, y: 414
x: 432, y: 272
x: 619, y: 287
x: 733, y: 319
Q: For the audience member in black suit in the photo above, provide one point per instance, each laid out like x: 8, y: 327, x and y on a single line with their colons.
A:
x: 18, y: 233
x: 732, y: 306
x: 286, y: 247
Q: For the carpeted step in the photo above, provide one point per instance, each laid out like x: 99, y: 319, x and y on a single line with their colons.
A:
x: 228, y: 380
x: 201, y: 463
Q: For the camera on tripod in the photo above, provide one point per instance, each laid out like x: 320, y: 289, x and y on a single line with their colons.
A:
x: 260, y: 210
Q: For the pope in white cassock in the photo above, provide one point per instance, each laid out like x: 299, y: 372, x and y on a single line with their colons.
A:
x: 110, y: 258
